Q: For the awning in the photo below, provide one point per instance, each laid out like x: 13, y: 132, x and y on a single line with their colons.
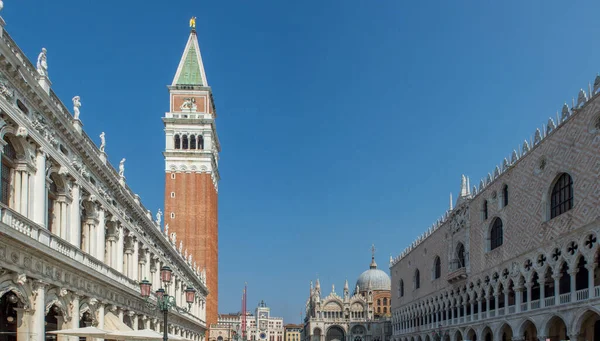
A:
x: 83, y: 332
x: 145, y: 334
x: 113, y: 324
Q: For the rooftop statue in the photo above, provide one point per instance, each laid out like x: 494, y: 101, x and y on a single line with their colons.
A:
x: 42, y: 64
x: 76, y: 106
x: 102, y: 142
x: 193, y: 22
x: 122, y: 168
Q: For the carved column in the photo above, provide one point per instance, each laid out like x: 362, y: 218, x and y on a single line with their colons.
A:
x: 75, y: 318
x: 75, y: 215
x: 479, y: 299
x: 100, y: 317
x: 24, y: 323
x: 518, y: 298
x: 591, y: 267
x: 135, y: 262
x: 40, y: 191
x: 119, y: 249
x: 128, y: 247
x: 573, y: 277
x: 88, y: 234
x: 39, y: 318
x: 100, y: 235
x: 496, y: 301
x: 556, y: 278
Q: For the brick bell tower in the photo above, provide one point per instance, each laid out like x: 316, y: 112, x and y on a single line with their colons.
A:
x: 191, y: 166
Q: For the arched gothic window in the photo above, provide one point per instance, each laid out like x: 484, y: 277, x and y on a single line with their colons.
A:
x: 505, y: 195
x: 200, y: 142
x: 485, y: 210
x: 562, y: 196
x: 401, y: 288
x: 177, y: 141
x: 437, y: 268
x: 184, y: 144
x: 9, y: 157
x: 417, y: 279
x: 192, y: 142
x: 460, y: 255
x: 496, y: 234
x: 385, y: 301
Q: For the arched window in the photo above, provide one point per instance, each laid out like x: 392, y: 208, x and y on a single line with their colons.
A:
x: 177, y: 141
x: 505, y: 195
x: 562, y: 196
x: 184, y: 144
x: 385, y: 301
x: 496, y: 234
x: 460, y: 255
x: 378, y: 301
x: 192, y: 142
x: 385, y: 310
x: 401, y: 288
x: 8, y: 164
x: 417, y: 279
x: 200, y: 142
x: 437, y: 268
x: 485, y: 210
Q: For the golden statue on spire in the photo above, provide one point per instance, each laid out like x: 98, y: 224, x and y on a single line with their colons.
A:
x: 193, y: 23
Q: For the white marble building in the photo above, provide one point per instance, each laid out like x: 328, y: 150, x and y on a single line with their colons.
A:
x: 75, y: 241
x: 517, y: 257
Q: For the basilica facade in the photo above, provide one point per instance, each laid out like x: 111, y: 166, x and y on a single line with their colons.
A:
x: 75, y: 240
x: 360, y: 316
x: 517, y: 257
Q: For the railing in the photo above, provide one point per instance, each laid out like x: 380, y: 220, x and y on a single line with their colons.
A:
x: 492, y: 313
x: 524, y: 306
x: 549, y: 301
x: 535, y: 304
x: 501, y: 312
x: 40, y: 234
x: 597, y: 291
x: 582, y: 294
x: 468, y: 318
x: 565, y: 298
x: 511, y: 309
x: 484, y: 314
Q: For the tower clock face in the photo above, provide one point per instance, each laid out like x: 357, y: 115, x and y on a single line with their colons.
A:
x: 263, y: 335
x: 263, y: 315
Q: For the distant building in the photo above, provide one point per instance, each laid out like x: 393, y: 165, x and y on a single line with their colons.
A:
x: 260, y: 326
x: 292, y: 332
x: 362, y: 316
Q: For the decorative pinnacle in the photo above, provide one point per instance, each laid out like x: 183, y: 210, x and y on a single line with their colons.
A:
x: 373, y: 264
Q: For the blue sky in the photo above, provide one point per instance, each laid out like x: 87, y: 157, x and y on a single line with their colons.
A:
x: 342, y: 123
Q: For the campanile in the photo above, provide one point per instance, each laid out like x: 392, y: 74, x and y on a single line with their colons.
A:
x: 191, y: 167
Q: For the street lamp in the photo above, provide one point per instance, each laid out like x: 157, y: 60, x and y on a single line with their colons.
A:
x: 164, y: 302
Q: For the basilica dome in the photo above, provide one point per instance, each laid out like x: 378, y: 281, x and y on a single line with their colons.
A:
x: 377, y: 279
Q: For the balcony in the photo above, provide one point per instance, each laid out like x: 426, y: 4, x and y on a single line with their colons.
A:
x: 457, y: 271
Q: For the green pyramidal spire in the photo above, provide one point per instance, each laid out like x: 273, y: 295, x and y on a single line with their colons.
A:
x: 191, y: 69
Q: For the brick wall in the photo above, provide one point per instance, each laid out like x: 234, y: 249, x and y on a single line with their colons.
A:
x: 195, y: 205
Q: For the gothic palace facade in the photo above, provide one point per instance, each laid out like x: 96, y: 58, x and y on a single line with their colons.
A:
x: 517, y: 258
x: 74, y: 239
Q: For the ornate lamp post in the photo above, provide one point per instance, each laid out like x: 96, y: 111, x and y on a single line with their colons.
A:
x: 164, y: 302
